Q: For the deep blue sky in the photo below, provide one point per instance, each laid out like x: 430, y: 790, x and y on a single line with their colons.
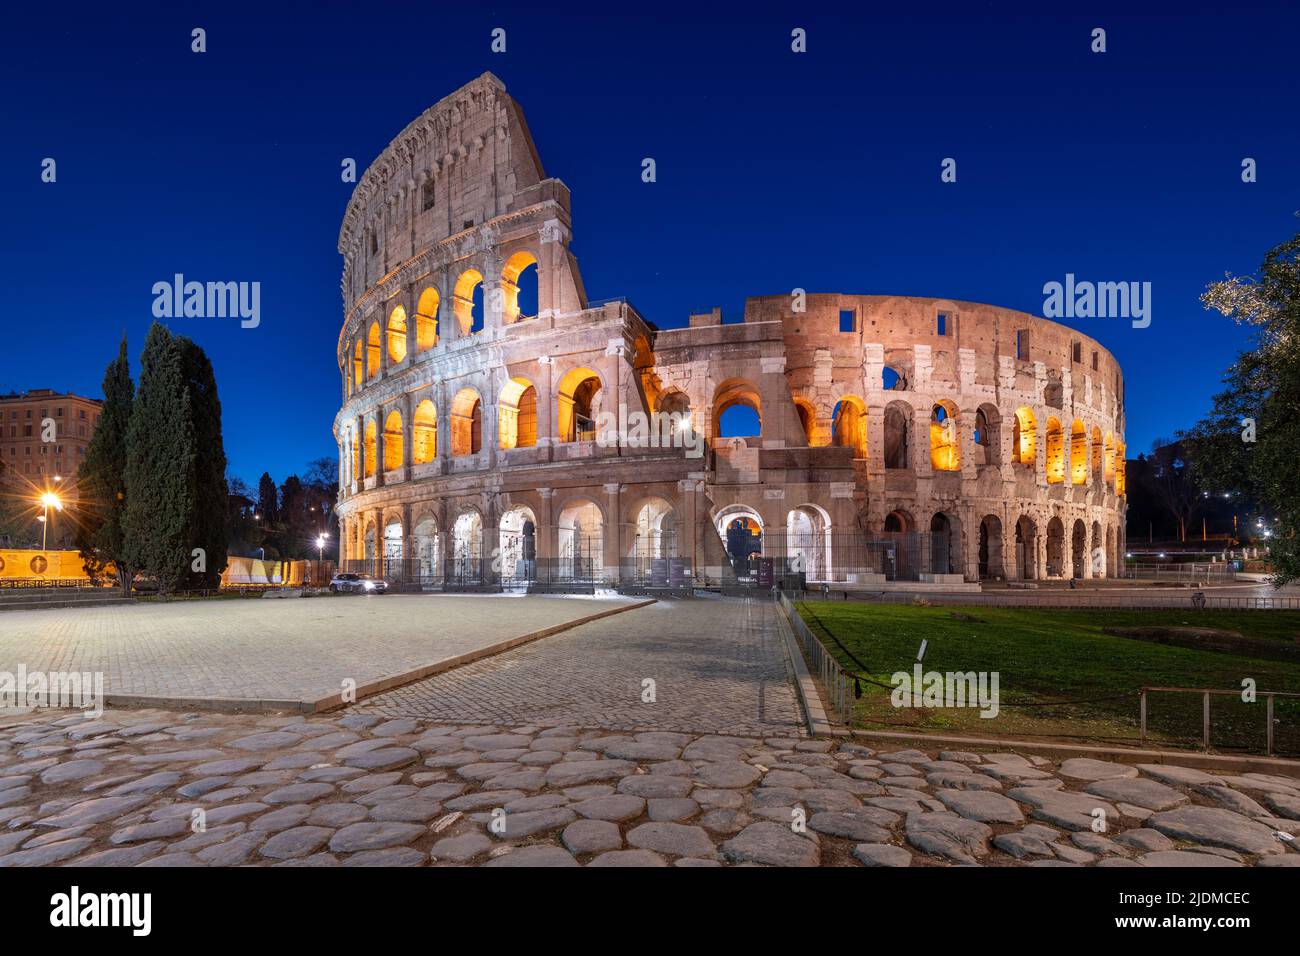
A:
x: 775, y: 170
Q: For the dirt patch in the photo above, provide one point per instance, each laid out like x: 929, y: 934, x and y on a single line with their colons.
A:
x: 1209, y: 639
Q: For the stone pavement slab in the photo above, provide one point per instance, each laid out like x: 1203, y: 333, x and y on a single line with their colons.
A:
x: 250, y: 649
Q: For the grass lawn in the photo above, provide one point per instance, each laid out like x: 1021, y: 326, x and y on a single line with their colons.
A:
x: 1053, y: 655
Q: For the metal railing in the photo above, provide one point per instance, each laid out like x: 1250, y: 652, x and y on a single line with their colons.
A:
x: 1270, y: 733
x: 837, y: 687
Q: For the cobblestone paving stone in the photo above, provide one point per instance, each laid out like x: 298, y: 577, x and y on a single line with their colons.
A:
x: 271, y: 649
x: 285, y: 790
x: 718, y: 666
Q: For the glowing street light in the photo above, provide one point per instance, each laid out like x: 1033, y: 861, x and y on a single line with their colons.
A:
x: 47, y: 501
x: 320, y: 545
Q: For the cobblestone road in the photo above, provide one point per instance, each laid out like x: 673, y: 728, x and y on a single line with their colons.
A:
x: 158, y: 788
x: 717, y: 666
x: 288, y: 649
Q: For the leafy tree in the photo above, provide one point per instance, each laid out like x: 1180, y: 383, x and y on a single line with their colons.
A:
x: 160, y: 456
x: 1250, y: 440
x: 206, y: 525
x: 101, y: 479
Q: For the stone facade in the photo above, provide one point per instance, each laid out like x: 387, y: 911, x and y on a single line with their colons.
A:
x: 992, y: 437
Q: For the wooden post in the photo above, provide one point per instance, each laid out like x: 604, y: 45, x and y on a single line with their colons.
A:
x: 1142, y: 708
x: 1268, y: 715
x: 1205, y: 720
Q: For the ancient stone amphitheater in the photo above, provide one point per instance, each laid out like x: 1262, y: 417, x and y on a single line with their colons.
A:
x: 499, y: 428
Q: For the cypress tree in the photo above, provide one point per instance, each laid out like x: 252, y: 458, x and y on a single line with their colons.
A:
x: 207, y: 523
x: 102, y: 477
x: 160, y: 455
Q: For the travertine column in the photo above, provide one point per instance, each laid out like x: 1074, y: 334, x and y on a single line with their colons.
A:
x: 613, y: 530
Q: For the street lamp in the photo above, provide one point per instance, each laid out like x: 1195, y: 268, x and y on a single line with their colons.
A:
x: 320, y: 545
x: 48, y: 500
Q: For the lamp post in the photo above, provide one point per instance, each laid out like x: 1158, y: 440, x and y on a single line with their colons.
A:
x: 48, y: 500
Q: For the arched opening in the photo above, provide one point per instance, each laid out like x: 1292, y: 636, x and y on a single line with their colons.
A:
x: 899, y: 558
x: 518, y: 546
x: 467, y: 547
x: 674, y: 409
x: 1026, y: 548
x: 372, y: 352
x: 1109, y: 474
x: 581, y: 542
x: 425, y: 543
x: 1055, y: 548
x: 517, y: 414
x: 943, y: 539
x: 945, y: 452
x: 1078, y: 453
x: 393, y: 547
x: 807, y: 422
x: 393, y: 441
x: 578, y: 404
x: 988, y: 436
x: 424, y: 433
x: 742, y: 532
x: 370, y: 544
x: 466, y: 423
x: 358, y: 364
x: 1079, y: 550
x: 1055, y: 452
x: 990, y: 549
x: 356, y: 442
x: 1024, y: 438
x: 892, y: 379
x: 467, y: 298
x: 426, y: 320
x: 737, y: 410
x: 1120, y: 469
x: 1112, y: 555
x: 519, y: 288
x: 396, y: 336
x: 897, y: 422
x: 1096, y: 453
x: 849, y: 428
x: 654, y: 541
x: 372, y: 442
x: 808, y: 542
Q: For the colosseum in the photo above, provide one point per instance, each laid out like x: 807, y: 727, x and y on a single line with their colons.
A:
x: 500, y: 429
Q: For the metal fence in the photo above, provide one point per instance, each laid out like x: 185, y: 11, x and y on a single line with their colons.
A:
x: 837, y: 687
x: 1270, y: 720
x: 1061, y: 600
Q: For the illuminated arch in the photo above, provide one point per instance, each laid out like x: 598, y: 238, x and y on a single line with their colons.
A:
x: 511, y: 274
x: 517, y: 414
x: 393, y: 441
x: 1078, y: 453
x: 1108, y: 475
x: 372, y: 352
x: 469, y: 318
x: 731, y: 393
x: 426, y: 320
x: 424, y: 433
x: 1055, y: 452
x: 849, y: 425
x: 466, y: 423
x: 812, y: 435
x: 577, y: 404
x: 1024, y: 437
x: 358, y: 364
x: 1096, y: 453
x: 371, y: 443
x: 1120, y: 469
x: 397, y: 336
x: 945, y: 450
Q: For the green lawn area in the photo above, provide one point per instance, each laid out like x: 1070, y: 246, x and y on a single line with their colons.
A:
x: 1053, y: 655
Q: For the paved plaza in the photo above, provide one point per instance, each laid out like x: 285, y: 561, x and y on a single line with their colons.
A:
x: 157, y: 788
x: 717, y: 666
x: 264, y: 649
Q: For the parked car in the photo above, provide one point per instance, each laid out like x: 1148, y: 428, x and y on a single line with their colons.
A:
x: 359, y: 583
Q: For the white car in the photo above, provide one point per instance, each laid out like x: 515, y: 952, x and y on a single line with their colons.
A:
x: 359, y: 583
